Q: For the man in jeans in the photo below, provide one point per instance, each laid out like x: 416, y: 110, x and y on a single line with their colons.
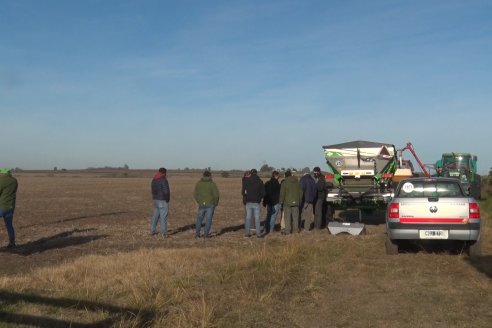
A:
x: 272, y: 192
x: 8, y: 191
x: 160, y: 201
x: 253, y: 191
x: 206, y: 195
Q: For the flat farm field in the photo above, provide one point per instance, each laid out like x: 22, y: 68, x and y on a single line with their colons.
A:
x: 85, y: 259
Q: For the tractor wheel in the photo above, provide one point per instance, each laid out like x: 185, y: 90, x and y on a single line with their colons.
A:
x: 476, y: 188
x: 475, y: 249
x: 391, y: 247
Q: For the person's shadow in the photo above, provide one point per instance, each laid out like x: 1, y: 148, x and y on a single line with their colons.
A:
x: 60, y: 240
x: 141, y: 318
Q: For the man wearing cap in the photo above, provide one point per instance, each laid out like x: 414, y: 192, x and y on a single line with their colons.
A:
x: 8, y: 191
x: 320, y: 197
x: 160, y: 201
x: 253, y: 190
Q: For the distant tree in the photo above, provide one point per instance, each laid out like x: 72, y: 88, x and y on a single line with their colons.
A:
x: 224, y: 174
x: 209, y: 169
x: 55, y: 169
x: 126, y: 167
x: 266, y: 168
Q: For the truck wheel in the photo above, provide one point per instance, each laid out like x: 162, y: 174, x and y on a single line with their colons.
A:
x: 391, y: 247
x: 475, y: 249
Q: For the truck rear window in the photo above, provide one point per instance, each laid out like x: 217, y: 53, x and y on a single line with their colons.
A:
x: 413, y: 189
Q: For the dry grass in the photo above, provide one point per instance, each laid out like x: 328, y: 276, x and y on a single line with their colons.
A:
x: 128, y: 279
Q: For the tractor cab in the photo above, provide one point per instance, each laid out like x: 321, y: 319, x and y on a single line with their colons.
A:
x: 458, y: 166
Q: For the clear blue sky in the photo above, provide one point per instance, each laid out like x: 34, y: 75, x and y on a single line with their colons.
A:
x: 236, y: 84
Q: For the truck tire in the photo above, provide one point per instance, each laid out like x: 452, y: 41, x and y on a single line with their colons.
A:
x: 391, y: 247
x: 475, y: 249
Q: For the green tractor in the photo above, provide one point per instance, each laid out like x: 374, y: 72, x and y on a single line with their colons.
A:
x: 462, y: 166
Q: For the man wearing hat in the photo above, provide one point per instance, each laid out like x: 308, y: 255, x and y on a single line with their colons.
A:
x: 8, y: 191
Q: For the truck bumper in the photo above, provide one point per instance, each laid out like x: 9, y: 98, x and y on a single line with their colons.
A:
x: 462, y: 232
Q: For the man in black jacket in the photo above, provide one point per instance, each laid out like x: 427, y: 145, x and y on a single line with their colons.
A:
x: 320, y: 197
x: 253, y: 191
x: 160, y: 201
x: 271, y: 201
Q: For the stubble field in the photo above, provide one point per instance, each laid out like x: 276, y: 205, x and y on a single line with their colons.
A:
x: 85, y: 259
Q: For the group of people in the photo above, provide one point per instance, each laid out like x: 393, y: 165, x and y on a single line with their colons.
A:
x: 299, y: 200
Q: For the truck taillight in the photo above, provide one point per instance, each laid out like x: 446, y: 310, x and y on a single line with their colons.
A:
x: 394, y: 211
x: 474, y: 211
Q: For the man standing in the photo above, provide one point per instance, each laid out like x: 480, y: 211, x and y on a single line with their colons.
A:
x: 271, y: 201
x: 253, y: 191
x: 308, y: 187
x: 320, y: 197
x: 290, y: 198
x: 206, y: 195
x: 8, y: 191
x: 160, y: 201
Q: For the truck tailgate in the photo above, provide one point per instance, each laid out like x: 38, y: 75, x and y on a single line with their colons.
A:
x: 434, y: 211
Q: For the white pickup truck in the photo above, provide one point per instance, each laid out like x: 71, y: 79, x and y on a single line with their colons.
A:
x: 435, y: 209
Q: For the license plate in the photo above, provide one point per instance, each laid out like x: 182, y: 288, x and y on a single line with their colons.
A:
x: 433, y: 234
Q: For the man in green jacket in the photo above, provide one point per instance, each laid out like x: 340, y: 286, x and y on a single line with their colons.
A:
x: 8, y: 191
x: 290, y: 198
x: 207, y: 197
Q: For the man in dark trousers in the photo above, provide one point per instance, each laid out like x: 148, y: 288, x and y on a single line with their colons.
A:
x: 271, y: 201
x: 253, y: 191
x: 309, y: 192
x: 8, y: 192
x: 320, y: 197
x: 290, y: 198
x: 206, y: 195
x: 160, y: 201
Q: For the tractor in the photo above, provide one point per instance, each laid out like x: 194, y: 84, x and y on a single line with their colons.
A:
x: 462, y: 166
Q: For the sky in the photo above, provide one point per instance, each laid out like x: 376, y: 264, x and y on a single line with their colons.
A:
x: 237, y: 84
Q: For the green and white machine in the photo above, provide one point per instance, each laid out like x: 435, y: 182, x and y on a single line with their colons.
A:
x: 362, y: 178
x: 462, y: 166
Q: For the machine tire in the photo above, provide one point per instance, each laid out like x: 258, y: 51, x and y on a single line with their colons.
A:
x: 329, y: 213
x: 391, y: 247
x: 476, y: 188
x: 475, y: 249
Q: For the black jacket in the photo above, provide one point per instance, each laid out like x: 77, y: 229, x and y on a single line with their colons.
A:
x: 253, y: 189
x: 272, y: 192
x: 160, y: 189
